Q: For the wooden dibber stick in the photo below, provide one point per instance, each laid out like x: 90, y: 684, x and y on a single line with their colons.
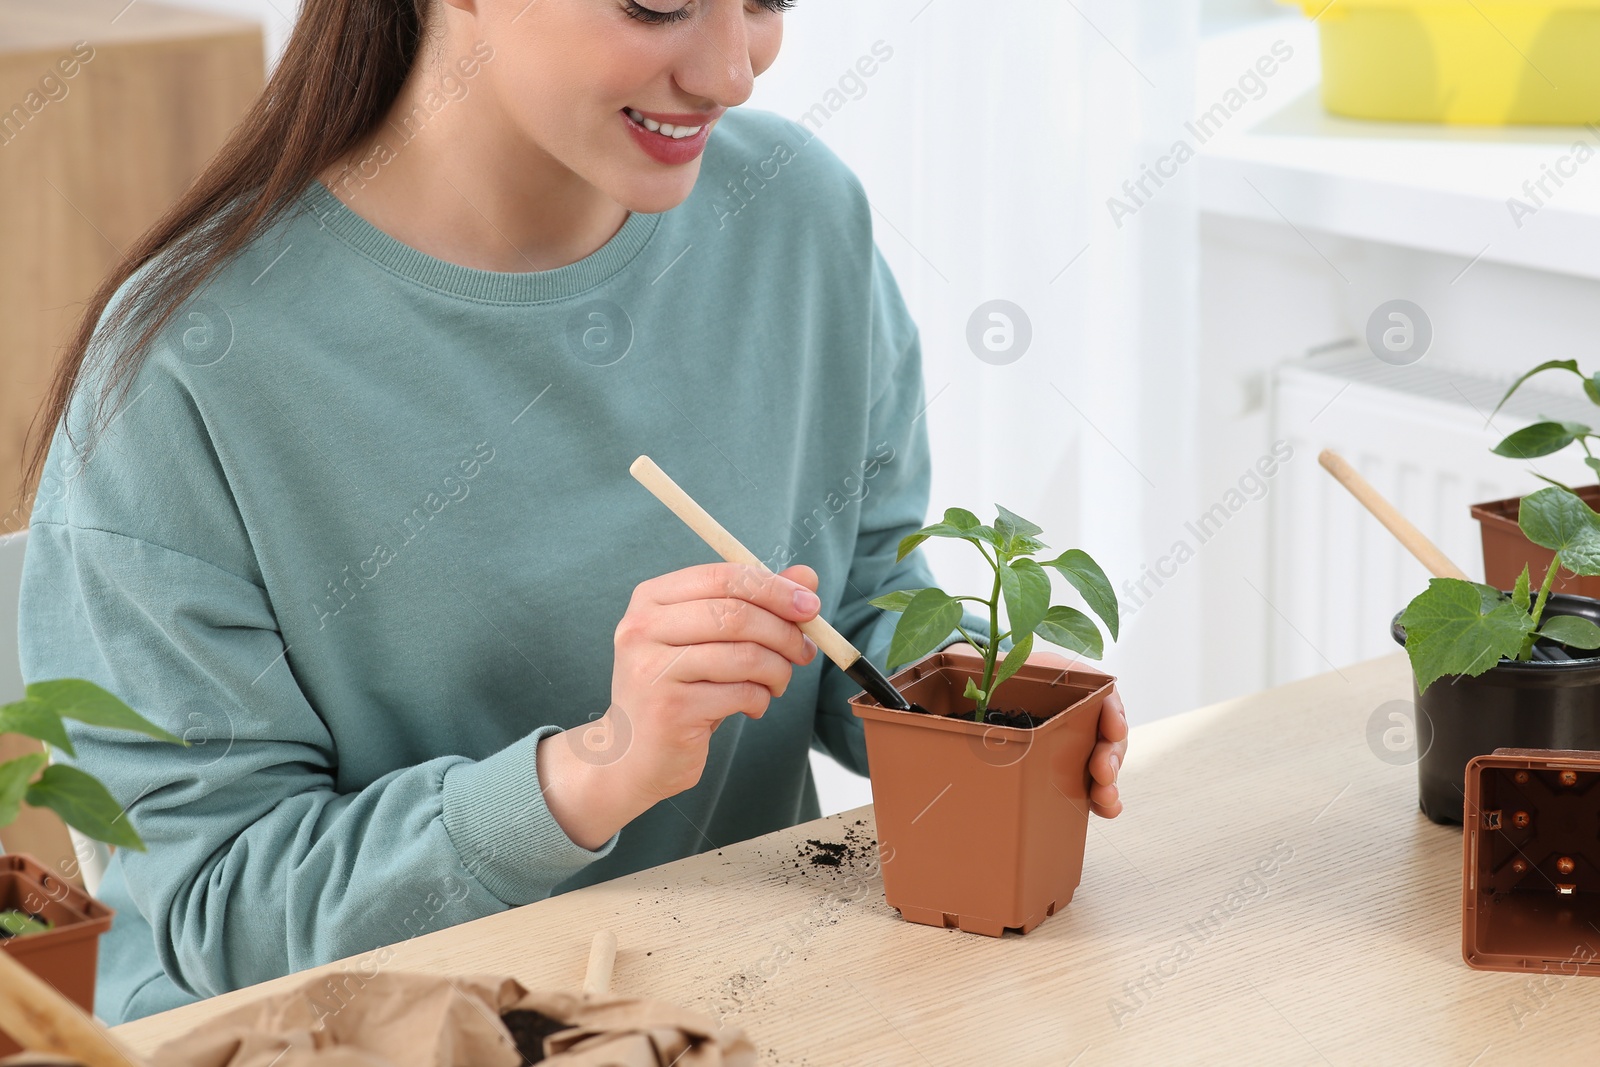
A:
x: 832, y: 643
x: 1411, y: 538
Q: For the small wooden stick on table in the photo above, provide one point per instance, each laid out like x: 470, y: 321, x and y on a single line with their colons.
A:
x: 602, y: 959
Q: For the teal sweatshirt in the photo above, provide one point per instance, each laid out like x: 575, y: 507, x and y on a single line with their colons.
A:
x: 363, y: 528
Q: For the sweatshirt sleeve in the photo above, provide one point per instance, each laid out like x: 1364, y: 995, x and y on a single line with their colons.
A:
x: 258, y: 864
x: 895, y: 505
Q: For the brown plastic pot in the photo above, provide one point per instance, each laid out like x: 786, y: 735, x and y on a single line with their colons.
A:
x: 1506, y: 551
x: 982, y: 828
x: 1530, y: 883
x: 64, y: 956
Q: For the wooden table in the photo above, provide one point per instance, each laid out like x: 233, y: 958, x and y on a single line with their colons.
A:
x: 1271, y: 895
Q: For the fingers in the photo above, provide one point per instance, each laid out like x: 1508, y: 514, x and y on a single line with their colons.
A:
x: 732, y: 661
x: 717, y: 621
x: 782, y: 596
x: 802, y: 574
x: 1113, y: 719
x: 1104, y: 801
x: 1106, y: 761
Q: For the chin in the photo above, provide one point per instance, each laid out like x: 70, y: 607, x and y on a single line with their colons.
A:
x: 651, y: 194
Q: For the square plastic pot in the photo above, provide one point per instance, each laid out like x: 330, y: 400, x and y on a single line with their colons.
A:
x: 65, y: 955
x: 1506, y: 551
x: 982, y: 828
x: 1531, y: 862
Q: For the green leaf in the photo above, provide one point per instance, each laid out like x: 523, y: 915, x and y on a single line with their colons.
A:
x: 1091, y: 582
x: 1571, y: 630
x: 1071, y: 628
x: 1539, y: 439
x: 930, y: 617
x: 961, y: 519
x: 21, y: 924
x: 973, y: 692
x: 1592, y: 463
x: 83, y: 804
x: 73, y: 698
x: 1013, y: 525
x: 32, y: 718
x: 1023, y: 545
x: 1454, y: 628
x: 1011, y: 664
x: 895, y: 601
x: 1026, y: 589
x: 1557, y: 519
x: 14, y: 778
x: 945, y: 529
x: 1522, y: 594
x: 1553, y: 364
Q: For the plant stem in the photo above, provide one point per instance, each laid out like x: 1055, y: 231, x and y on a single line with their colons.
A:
x: 994, y: 645
x: 1538, y: 608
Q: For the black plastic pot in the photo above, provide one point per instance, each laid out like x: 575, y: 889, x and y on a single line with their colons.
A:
x: 1538, y: 704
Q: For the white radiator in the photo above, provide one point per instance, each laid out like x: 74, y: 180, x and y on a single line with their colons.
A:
x: 1419, y: 436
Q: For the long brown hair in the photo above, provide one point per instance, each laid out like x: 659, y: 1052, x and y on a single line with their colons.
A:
x: 341, y: 70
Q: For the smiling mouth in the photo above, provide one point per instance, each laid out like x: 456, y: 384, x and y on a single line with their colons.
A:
x: 667, y: 130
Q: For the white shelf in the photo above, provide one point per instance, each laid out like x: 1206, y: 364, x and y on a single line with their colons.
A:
x: 1438, y: 188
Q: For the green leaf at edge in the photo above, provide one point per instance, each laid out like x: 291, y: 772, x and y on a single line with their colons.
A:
x: 1522, y: 594
x: 1538, y: 439
x: 895, y: 601
x: 32, y: 718
x: 83, y: 804
x: 930, y: 617
x: 14, y: 778
x: 74, y: 698
x: 1453, y: 628
x: 1551, y: 364
x: 1572, y: 630
x: 1079, y: 568
x: 1556, y: 519
x: 972, y: 691
x: 1071, y: 628
x: 21, y: 924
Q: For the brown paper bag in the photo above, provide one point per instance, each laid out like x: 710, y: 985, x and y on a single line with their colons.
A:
x: 414, y: 1020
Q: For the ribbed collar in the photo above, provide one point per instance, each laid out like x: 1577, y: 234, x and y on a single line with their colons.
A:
x: 468, y: 282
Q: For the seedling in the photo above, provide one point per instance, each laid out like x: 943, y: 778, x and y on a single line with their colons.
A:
x: 1551, y: 435
x: 77, y: 796
x: 1460, y: 627
x: 928, y: 616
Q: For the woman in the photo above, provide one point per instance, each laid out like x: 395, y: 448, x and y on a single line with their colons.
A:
x: 339, y: 491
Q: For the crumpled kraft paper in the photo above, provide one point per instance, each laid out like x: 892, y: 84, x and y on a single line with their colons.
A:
x: 415, y: 1020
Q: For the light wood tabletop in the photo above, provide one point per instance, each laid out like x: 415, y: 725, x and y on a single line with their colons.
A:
x: 1270, y: 895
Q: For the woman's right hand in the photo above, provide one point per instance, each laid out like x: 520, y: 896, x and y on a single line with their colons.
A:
x: 695, y: 646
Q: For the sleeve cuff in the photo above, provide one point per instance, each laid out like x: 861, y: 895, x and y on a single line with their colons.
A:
x: 495, y: 814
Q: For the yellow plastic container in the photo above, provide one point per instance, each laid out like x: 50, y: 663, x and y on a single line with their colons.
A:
x: 1479, y: 62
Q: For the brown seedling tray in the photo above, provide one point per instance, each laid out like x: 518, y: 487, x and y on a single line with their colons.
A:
x: 1531, y: 862
x: 1506, y: 550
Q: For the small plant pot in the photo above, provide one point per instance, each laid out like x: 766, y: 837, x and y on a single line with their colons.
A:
x: 982, y: 828
x: 1538, y: 704
x: 65, y: 955
x: 1530, y: 885
x: 1506, y: 551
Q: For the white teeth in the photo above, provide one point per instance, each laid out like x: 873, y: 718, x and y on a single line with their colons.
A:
x: 665, y: 129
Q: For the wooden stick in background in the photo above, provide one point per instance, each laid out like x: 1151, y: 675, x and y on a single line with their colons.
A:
x: 42, y: 1020
x: 1415, y: 542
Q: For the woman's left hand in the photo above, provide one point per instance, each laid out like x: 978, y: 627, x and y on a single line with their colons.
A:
x: 1106, y: 760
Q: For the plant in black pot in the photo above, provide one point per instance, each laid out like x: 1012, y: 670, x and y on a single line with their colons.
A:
x: 1505, y: 549
x: 47, y: 923
x: 1506, y: 669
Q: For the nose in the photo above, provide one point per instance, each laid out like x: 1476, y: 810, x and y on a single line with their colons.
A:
x: 716, y: 65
